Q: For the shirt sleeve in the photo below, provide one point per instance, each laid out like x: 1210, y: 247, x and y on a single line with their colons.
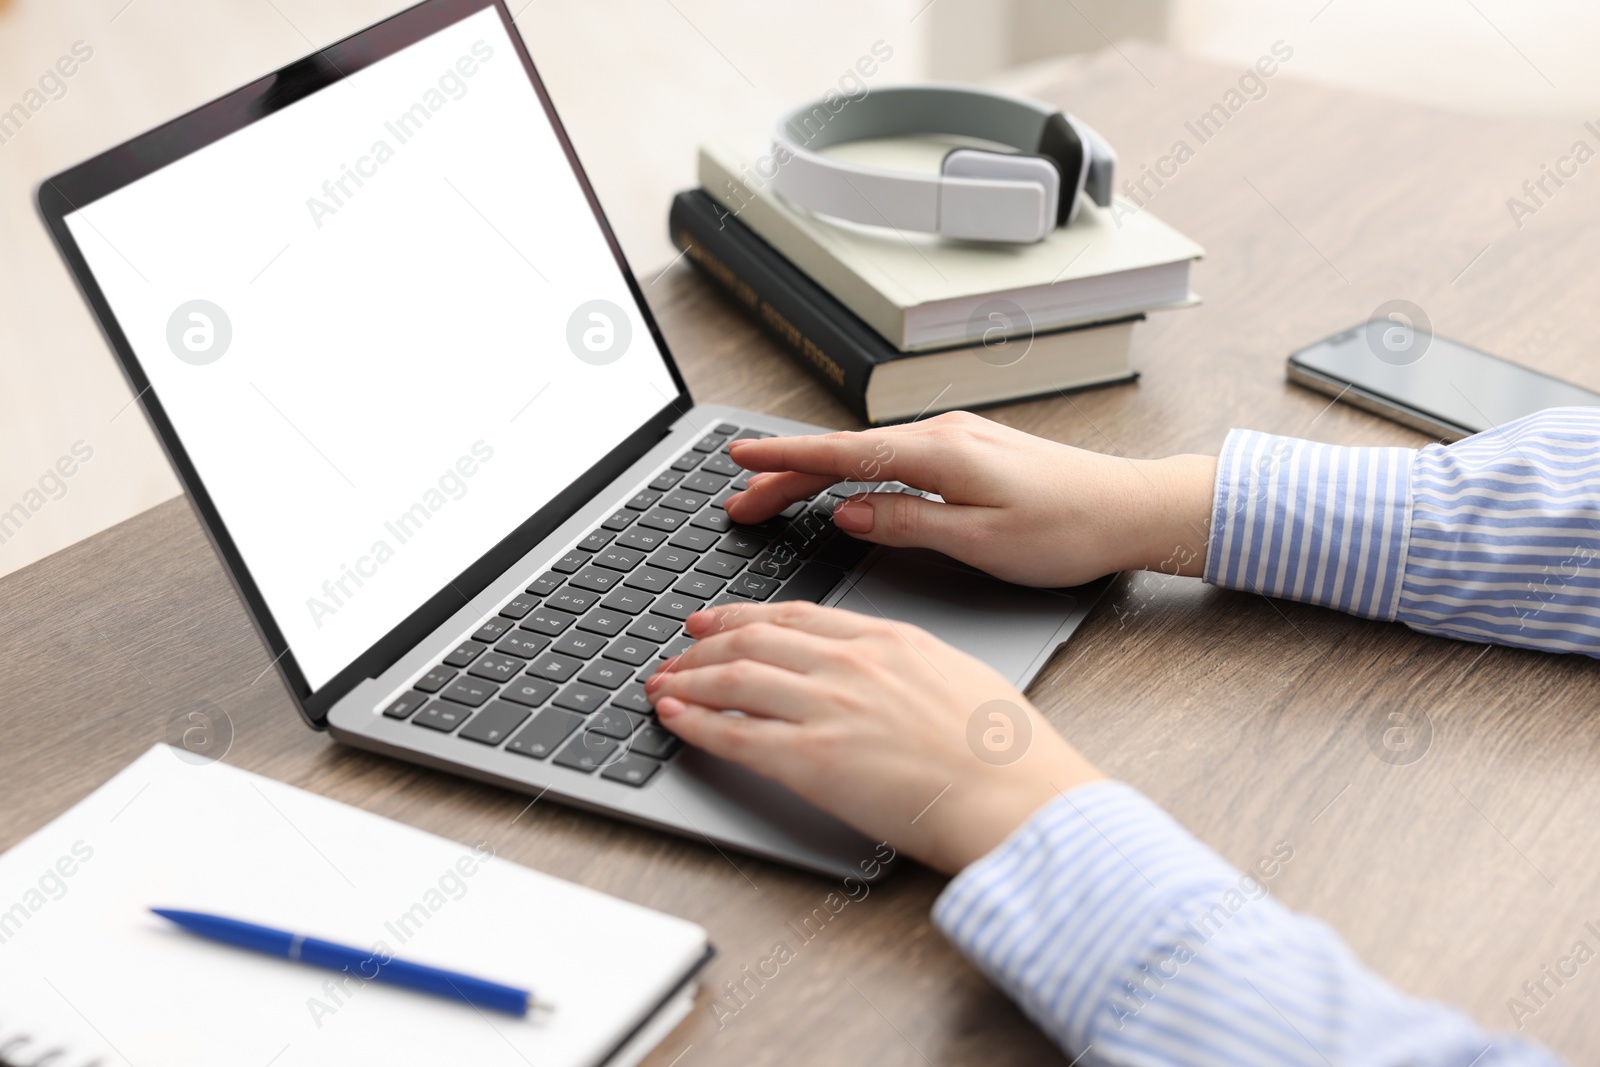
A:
x: 1495, y: 538
x: 1130, y: 942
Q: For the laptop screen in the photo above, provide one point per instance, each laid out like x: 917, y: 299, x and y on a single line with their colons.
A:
x: 386, y: 326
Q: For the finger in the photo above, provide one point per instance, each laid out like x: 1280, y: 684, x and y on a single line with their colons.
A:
x: 755, y: 743
x: 795, y: 614
x: 743, y: 685
x: 762, y: 642
x: 769, y: 494
x: 901, y: 520
x: 916, y: 454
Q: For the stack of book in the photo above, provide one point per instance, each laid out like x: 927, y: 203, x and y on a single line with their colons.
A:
x: 901, y: 325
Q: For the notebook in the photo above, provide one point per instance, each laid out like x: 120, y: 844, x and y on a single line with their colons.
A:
x: 87, y: 971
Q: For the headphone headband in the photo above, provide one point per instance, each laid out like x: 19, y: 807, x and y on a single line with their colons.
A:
x: 979, y: 194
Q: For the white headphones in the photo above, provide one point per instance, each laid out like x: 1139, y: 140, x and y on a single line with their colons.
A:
x: 978, y: 195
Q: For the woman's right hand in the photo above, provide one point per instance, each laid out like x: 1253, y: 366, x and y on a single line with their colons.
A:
x: 1021, y: 508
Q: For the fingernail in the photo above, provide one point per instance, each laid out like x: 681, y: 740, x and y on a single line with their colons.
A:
x: 854, y: 516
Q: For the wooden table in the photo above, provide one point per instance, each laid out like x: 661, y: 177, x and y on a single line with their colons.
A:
x: 1458, y: 876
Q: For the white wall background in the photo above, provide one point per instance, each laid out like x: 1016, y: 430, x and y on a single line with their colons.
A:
x: 640, y: 82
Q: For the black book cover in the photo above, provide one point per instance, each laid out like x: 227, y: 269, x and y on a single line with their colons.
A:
x: 827, y: 337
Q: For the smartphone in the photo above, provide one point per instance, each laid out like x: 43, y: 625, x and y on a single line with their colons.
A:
x: 1415, y: 377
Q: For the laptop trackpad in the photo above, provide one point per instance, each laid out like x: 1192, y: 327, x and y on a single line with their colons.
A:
x: 1006, y: 626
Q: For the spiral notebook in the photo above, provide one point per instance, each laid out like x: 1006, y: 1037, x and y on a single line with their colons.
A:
x: 89, y: 976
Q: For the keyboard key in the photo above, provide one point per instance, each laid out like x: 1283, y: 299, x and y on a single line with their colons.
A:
x: 555, y: 667
x: 651, y: 628
x: 725, y: 429
x: 570, y: 562
x: 619, y: 559
x: 497, y: 667
x: 812, y: 582
x: 405, y: 704
x: 614, y: 722
x: 753, y: 586
x: 685, y: 501
x: 650, y: 579
x: 582, y: 697
x: 741, y: 483
x: 493, y: 630
x: 587, y: 751
x: 710, y: 442
x: 469, y: 691
x: 619, y: 520
x: 779, y: 562
x: 604, y: 620
x: 632, y: 650
x: 596, y: 540
x: 632, y: 769
x: 687, y: 461
x: 547, y: 730
x: 547, y: 621
x: 665, y: 480
x: 722, y: 498
x: 633, y: 699
x: 714, y: 519
x: 842, y: 551
x: 529, y: 691
x: 728, y: 596
x: 676, y: 647
x: 642, y: 538
x: 580, y: 644
x: 694, y: 539
x: 494, y: 723
x: 644, y: 500
x: 596, y: 579
x: 571, y: 599
x: 631, y: 601
x: 661, y: 519
x: 519, y: 605
x: 464, y: 653
x: 435, y: 679
x: 748, y: 435
x: 654, y: 741
x: 441, y: 716
x: 742, y: 543
x: 704, y: 483
x: 722, y: 464
x: 546, y: 583
x: 673, y: 559
x: 522, y: 643
x: 720, y: 565
x: 606, y: 674
x: 677, y: 606
x: 700, y: 586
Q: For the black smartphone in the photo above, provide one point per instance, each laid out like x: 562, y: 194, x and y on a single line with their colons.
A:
x: 1441, y: 387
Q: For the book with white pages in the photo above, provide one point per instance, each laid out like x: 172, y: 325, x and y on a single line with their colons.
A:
x: 921, y: 291
x: 89, y: 975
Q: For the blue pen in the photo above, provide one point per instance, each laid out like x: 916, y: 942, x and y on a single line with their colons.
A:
x: 368, y: 966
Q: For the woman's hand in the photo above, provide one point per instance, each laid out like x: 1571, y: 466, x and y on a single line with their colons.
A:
x: 878, y: 722
x: 1019, y: 507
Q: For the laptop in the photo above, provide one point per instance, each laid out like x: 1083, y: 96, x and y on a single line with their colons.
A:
x: 377, y: 318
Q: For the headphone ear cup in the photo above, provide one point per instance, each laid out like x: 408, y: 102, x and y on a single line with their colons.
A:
x: 1017, y: 167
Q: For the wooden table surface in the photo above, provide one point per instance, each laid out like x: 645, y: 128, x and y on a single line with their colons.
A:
x: 1458, y: 875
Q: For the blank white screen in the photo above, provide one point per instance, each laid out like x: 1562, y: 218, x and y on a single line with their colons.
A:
x: 398, y: 393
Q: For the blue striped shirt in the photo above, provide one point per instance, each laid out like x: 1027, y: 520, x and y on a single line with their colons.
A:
x: 1131, y: 942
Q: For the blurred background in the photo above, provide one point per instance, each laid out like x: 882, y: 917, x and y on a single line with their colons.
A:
x: 639, y: 84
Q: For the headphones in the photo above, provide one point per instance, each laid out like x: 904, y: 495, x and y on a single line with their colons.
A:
x: 978, y: 194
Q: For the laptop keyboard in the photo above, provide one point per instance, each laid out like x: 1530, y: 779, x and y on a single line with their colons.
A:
x: 559, y: 674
